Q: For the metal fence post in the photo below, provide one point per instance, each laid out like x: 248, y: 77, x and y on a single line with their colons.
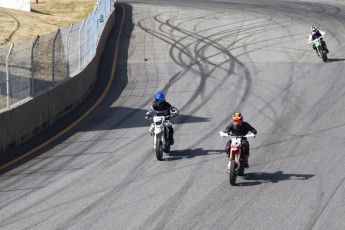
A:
x: 67, y: 52
x: 88, y: 37
x: 33, y: 66
x: 53, y: 57
x: 8, y: 85
x: 80, y: 43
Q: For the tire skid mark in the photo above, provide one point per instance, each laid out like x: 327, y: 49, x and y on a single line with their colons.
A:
x: 209, y: 207
x: 163, y: 223
x: 246, y: 72
x: 167, y: 209
x: 200, y: 40
x: 157, y: 78
x: 109, y: 199
x: 45, y: 181
x: 94, y: 170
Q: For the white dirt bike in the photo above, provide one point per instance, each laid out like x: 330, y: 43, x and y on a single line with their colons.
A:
x: 160, y: 135
x: 235, y: 161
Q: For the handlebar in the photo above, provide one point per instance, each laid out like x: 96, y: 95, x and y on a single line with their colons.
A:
x: 222, y: 134
x: 313, y: 41
x: 166, y: 117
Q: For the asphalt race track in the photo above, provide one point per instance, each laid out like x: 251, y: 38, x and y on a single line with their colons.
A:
x: 212, y: 58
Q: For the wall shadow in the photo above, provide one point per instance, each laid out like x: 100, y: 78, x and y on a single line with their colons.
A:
x: 126, y: 118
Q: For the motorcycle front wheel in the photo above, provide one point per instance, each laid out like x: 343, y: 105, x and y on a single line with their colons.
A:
x: 232, y: 173
x: 159, y: 150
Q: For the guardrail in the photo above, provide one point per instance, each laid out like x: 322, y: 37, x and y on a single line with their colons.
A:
x: 31, y: 67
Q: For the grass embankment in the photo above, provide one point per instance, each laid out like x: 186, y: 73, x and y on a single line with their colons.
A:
x: 45, y: 17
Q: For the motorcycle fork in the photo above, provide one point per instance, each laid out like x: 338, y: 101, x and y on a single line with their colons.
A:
x: 156, y: 137
x: 236, y: 157
x: 318, y: 49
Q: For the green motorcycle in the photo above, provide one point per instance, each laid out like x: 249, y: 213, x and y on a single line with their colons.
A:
x: 321, y: 51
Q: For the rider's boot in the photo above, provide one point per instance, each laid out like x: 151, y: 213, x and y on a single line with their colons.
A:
x: 171, y: 136
x: 317, y: 53
x: 245, y: 157
x: 227, y: 149
x: 245, y: 161
x: 325, y: 46
x: 171, y: 139
x: 326, y: 49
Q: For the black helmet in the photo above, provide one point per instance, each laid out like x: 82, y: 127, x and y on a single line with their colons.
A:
x: 313, y: 29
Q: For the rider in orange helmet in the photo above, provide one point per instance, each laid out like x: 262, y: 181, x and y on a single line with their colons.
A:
x: 238, y: 127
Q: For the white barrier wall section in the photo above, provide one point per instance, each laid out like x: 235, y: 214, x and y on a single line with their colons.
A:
x: 16, y: 4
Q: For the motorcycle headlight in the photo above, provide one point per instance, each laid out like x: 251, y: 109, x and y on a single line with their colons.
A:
x: 157, y: 120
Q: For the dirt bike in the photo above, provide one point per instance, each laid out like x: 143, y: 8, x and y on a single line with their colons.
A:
x: 235, y: 161
x: 160, y: 135
x: 321, y: 51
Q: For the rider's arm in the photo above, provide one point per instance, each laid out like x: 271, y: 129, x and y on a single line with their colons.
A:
x: 149, y: 112
x: 322, y: 32
x: 310, y: 38
x: 173, y: 111
x: 228, y: 129
x: 251, y: 129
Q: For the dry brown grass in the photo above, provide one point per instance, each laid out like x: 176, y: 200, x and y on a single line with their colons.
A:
x: 45, y: 17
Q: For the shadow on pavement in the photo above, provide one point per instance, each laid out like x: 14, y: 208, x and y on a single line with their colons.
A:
x: 261, y: 177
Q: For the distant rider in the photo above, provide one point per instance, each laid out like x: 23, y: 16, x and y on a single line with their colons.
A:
x: 161, y: 107
x: 238, y: 127
x: 314, y: 34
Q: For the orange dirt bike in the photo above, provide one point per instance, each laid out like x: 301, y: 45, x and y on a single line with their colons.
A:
x: 235, y: 161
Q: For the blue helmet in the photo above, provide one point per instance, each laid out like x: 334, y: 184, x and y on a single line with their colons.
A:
x: 160, y: 96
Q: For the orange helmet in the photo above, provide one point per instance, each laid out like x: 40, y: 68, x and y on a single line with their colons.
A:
x: 237, y: 119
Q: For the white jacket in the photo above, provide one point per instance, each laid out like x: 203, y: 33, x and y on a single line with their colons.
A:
x: 311, y: 35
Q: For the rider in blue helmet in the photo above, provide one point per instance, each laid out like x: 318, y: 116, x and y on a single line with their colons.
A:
x: 161, y: 107
x: 159, y: 97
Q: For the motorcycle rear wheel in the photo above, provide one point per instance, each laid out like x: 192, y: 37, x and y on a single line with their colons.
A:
x: 167, y: 147
x: 324, y: 55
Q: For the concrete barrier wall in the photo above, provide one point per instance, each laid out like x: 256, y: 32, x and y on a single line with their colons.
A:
x: 24, y: 121
x: 16, y: 4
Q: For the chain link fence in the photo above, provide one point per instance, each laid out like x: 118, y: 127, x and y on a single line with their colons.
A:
x: 30, y: 67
